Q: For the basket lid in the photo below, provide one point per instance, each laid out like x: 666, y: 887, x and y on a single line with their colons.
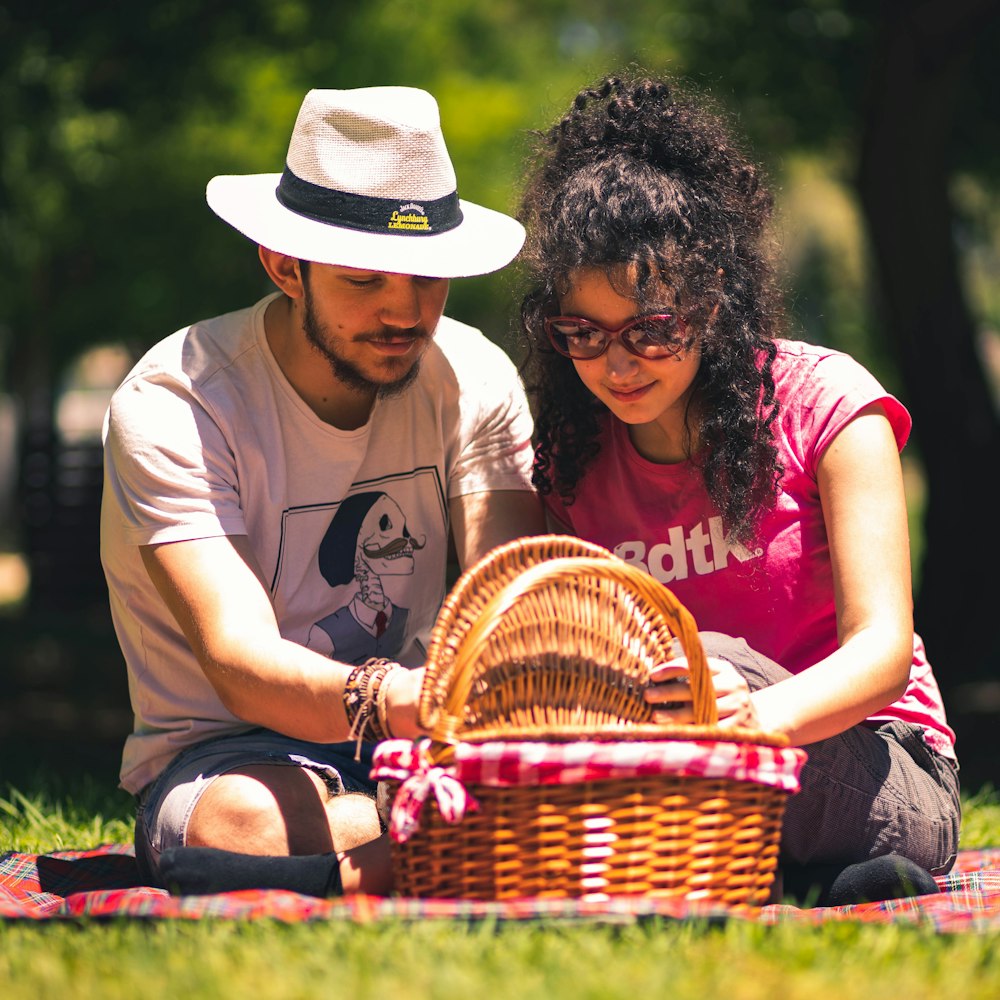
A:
x: 551, y: 634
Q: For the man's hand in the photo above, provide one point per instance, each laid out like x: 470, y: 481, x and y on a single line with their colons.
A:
x: 402, y: 700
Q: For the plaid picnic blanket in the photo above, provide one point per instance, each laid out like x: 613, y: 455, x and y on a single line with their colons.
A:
x: 103, y: 882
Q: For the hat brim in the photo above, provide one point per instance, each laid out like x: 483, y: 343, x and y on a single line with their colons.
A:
x: 485, y: 240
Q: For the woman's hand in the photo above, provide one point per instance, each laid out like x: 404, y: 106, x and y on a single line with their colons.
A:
x: 669, y: 693
x: 732, y: 696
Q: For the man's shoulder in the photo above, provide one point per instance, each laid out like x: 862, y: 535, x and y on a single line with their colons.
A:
x: 195, y: 353
x: 468, y: 351
x: 453, y: 334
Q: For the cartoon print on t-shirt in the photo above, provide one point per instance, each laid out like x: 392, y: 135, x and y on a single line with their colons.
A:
x: 367, y: 539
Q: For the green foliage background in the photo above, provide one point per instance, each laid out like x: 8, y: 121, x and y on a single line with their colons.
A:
x: 114, y: 116
x: 113, y: 120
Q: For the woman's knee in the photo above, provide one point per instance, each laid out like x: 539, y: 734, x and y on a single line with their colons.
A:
x: 757, y: 669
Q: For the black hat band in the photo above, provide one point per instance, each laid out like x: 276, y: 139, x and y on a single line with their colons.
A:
x: 390, y: 216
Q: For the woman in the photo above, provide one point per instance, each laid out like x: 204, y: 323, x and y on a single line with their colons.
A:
x: 757, y: 477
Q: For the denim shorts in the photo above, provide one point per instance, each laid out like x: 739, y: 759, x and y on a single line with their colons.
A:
x: 165, y: 805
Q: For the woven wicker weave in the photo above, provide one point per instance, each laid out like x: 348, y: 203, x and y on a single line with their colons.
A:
x: 552, y: 639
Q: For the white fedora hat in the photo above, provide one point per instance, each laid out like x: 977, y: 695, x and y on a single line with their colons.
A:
x: 368, y: 183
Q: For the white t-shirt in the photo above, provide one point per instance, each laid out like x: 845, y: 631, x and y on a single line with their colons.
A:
x: 206, y: 437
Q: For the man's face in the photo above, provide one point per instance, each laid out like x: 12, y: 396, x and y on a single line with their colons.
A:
x: 372, y: 327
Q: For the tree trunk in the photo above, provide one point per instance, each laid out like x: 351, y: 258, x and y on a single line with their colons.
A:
x: 903, y: 181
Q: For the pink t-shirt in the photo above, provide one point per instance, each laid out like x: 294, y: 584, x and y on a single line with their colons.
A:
x: 780, y: 597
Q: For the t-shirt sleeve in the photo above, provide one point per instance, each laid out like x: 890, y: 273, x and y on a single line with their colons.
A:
x: 169, y: 468
x: 837, y: 390
x: 494, y: 445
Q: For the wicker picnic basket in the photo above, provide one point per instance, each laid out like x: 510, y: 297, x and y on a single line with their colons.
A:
x: 543, y: 649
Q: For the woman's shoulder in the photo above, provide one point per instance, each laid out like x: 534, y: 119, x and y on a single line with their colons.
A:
x: 813, y: 369
x: 825, y: 387
x: 798, y: 357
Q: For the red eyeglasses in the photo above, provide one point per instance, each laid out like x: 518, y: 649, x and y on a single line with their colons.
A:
x: 659, y: 335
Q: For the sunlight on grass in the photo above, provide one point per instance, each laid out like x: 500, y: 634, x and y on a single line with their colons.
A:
x: 981, y: 818
x: 738, y: 961
x: 48, y: 819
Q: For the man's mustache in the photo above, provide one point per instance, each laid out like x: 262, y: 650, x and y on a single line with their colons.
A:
x: 394, y: 547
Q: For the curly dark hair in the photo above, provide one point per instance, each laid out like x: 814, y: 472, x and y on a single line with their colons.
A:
x: 640, y: 175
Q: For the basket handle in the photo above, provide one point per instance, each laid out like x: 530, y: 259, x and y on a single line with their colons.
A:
x: 541, y: 575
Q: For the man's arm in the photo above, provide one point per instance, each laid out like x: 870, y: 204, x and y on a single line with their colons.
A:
x: 214, y: 589
x: 481, y: 521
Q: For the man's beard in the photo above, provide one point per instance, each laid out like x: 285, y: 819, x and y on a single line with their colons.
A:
x: 345, y: 371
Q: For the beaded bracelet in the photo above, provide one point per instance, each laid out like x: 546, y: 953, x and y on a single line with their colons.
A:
x: 361, y: 700
x: 375, y: 686
x: 382, y: 705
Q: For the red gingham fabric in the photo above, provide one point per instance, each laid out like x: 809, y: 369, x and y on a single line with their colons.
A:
x: 410, y: 763
x: 513, y: 764
x: 500, y: 764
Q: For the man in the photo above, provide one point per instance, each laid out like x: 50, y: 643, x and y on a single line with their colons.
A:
x: 281, y: 485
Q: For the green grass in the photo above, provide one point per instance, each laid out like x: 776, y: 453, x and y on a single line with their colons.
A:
x: 50, y: 818
x: 981, y: 818
x: 433, y: 960
x: 453, y: 961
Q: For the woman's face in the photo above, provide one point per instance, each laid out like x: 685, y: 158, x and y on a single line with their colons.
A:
x: 649, y: 395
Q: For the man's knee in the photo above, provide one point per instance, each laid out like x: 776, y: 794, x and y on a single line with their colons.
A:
x: 267, y: 809
x: 353, y: 819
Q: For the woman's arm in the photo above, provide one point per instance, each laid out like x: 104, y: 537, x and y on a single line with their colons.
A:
x: 861, y: 490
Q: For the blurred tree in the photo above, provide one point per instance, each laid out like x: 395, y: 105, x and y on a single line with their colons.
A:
x: 110, y: 122
x: 924, y: 80
x: 901, y: 95
x: 103, y: 128
x: 114, y: 118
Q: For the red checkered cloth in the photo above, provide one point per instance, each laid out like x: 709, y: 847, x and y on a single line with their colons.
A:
x: 501, y: 764
x: 104, y: 882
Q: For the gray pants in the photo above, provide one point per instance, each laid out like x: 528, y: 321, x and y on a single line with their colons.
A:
x: 867, y: 792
